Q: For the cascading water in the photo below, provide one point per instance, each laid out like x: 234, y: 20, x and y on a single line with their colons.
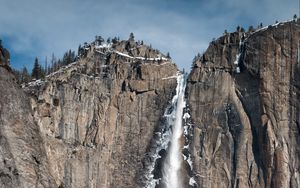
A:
x: 169, y: 138
x: 172, y: 164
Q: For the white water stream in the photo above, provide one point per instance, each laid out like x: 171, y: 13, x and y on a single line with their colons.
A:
x: 169, y: 139
x: 171, y: 168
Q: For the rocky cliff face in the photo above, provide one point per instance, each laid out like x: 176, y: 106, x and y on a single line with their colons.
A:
x: 243, y: 94
x: 4, y: 56
x: 23, y: 159
x: 97, y: 116
x: 93, y: 123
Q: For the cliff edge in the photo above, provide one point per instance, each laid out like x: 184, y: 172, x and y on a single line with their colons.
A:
x: 243, y: 93
x: 98, y: 115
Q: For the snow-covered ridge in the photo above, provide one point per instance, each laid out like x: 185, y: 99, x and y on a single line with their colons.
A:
x: 141, y: 58
x: 104, y: 45
x: 104, y: 49
x: 107, y: 48
x: 39, y: 82
x: 244, y: 39
x: 268, y: 26
x: 33, y: 83
x: 62, y: 69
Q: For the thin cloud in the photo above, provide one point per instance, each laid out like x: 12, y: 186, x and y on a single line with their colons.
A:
x: 183, y: 28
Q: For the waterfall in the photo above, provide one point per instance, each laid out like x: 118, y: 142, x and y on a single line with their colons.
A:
x: 171, y: 167
x: 168, y: 138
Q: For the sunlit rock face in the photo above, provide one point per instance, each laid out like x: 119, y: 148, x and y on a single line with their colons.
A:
x: 101, y: 121
x: 98, y: 115
x: 244, y: 99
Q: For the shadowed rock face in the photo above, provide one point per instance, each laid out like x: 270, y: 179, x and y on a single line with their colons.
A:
x: 4, y: 56
x: 23, y: 159
x: 97, y: 116
x: 247, y: 130
x: 91, y: 123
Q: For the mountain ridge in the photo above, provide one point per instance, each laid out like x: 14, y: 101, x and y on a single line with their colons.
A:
x: 94, y: 121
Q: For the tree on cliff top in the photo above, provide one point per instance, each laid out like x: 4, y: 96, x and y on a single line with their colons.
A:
x: 131, y: 37
x: 37, y: 71
x: 168, y: 55
x: 98, y: 40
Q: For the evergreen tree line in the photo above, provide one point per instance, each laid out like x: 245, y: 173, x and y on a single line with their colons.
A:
x: 40, y: 71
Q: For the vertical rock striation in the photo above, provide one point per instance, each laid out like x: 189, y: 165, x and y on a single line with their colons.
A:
x: 23, y: 160
x: 95, y: 122
x: 244, y: 99
x: 98, y: 115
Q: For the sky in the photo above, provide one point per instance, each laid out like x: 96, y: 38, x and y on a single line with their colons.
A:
x: 38, y: 28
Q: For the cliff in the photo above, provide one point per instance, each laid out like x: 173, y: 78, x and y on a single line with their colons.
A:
x: 23, y: 160
x: 97, y: 116
x: 4, y: 57
x: 243, y: 95
x: 106, y: 119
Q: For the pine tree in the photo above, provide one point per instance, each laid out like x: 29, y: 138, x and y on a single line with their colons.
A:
x: 46, y: 65
x: 72, y: 56
x: 25, y: 77
x: 79, y: 51
x: 114, y: 40
x: 131, y: 37
x: 37, y: 70
x: 66, y: 58
x: 53, y: 63
x: 251, y: 28
x: 18, y: 76
x: 98, y: 40
x: 168, y: 55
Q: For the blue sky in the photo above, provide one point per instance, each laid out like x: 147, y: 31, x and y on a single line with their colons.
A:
x: 38, y: 28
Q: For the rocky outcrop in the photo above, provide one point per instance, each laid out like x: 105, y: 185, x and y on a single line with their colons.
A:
x: 23, y: 160
x: 4, y: 56
x: 244, y: 99
x: 98, y: 115
x: 94, y: 122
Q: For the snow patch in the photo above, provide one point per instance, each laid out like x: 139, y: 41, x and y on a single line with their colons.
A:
x: 192, y: 181
x: 123, y: 54
x: 186, y: 116
x: 62, y: 69
x: 38, y: 82
x: 185, y: 130
x: 170, y: 77
x: 190, y: 162
x: 104, y: 45
x: 236, y: 62
x: 274, y: 25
